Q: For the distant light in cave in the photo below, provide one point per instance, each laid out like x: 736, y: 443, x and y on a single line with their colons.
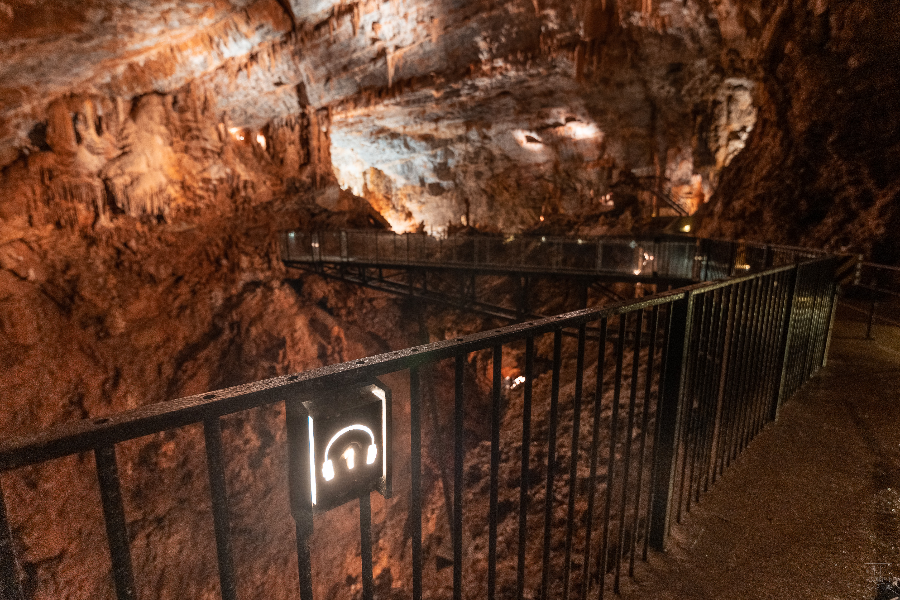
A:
x: 261, y: 140
x: 236, y: 133
x: 686, y: 228
x: 581, y: 131
x: 542, y: 218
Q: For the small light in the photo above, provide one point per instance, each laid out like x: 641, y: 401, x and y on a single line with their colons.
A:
x: 543, y: 239
x: 637, y: 271
x: 261, y: 140
x: 328, y: 471
x: 517, y: 381
x: 372, y: 454
x: 686, y: 228
x: 542, y: 217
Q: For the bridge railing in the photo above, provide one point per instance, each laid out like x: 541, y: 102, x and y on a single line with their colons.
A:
x: 606, y: 441
x: 669, y: 257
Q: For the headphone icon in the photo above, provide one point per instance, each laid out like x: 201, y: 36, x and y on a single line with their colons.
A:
x: 349, y: 454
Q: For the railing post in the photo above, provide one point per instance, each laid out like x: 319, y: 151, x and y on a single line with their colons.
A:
x: 793, y: 286
x: 669, y: 415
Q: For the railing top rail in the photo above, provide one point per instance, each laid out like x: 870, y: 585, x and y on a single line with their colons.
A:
x: 87, y: 434
x: 878, y: 266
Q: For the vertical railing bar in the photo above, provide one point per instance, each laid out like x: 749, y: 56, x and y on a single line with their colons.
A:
x: 834, y: 302
x: 799, y: 339
x: 810, y: 327
x: 495, y: 469
x: 592, y: 477
x: 648, y: 387
x: 573, y: 460
x: 714, y: 383
x: 758, y: 373
x: 773, y: 300
x: 415, y: 462
x: 779, y: 331
x: 669, y: 415
x: 791, y: 289
x: 750, y: 328
x: 549, y: 496
x: 692, y: 396
x: 10, y: 587
x: 459, y: 454
x: 824, y: 314
x: 647, y: 397
x: 688, y: 433
x: 779, y: 341
x: 705, y: 395
x: 738, y: 354
x: 524, y: 481
x: 724, y: 382
x: 603, y: 556
x: 819, y: 296
x: 215, y: 466
x: 744, y: 351
x: 365, y: 544
x: 304, y: 564
x: 736, y: 345
x: 805, y: 312
x: 632, y: 402
x: 114, y: 517
x: 707, y: 407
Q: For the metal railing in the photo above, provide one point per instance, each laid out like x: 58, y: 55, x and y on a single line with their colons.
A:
x: 877, y: 286
x: 616, y: 446
x: 679, y: 258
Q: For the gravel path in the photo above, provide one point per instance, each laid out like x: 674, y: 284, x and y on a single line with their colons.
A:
x: 812, y: 500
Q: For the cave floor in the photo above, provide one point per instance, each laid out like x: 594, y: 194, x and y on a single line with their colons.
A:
x: 811, y: 501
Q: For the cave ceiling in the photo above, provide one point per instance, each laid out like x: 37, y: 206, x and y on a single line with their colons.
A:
x: 448, y: 111
x: 263, y: 58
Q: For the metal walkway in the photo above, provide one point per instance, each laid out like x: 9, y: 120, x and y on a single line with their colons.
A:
x: 448, y: 271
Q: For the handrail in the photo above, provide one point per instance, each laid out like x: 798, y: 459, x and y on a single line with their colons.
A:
x: 711, y: 364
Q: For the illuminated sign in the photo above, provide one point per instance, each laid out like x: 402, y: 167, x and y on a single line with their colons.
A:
x: 339, y: 445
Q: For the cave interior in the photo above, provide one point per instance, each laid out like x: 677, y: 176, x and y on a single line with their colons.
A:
x: 151, y: 152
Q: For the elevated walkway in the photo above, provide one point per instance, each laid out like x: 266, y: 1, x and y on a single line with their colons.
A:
x: 813, y: 505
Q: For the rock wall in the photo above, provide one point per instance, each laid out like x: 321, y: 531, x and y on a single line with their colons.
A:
x: 818, y: 168
x: 158, y: 155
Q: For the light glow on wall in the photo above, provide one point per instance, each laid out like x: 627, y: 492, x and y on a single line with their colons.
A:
x: 528, y: 140
x: 577, y: 130
x: 261, y: 140
x: 237, y: 133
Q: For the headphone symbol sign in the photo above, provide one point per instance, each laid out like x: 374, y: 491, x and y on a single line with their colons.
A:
x: 349, y: 454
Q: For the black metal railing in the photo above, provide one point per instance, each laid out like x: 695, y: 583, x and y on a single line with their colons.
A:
x: 877, y: 287
x: 678, y: 258
x: 615, y: 444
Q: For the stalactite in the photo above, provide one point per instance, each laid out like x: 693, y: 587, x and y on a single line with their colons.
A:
x: 355, y: 18
x: 389, y: 60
